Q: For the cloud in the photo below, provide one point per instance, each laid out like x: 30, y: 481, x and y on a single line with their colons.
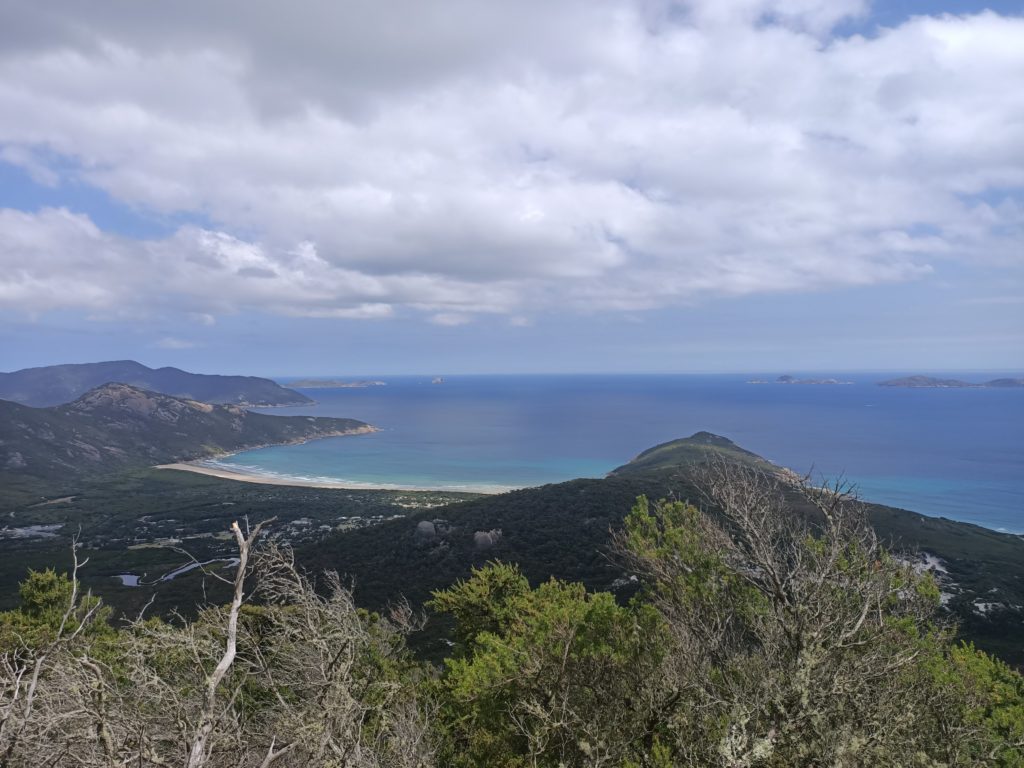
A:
x: 990, y: 301
x: 450, y: 319
x: 56, y: 259
x: 23, y: 158
x: 169, y: 342
x: 484, y: 157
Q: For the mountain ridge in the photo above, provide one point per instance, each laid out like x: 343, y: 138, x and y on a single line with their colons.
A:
x: 58, y: 384
x: 117, y: 426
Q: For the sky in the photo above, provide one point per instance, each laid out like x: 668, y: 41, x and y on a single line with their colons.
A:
x: 473, y: 186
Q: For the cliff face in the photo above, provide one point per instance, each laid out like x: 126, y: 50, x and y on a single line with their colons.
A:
x: 56, y: 384
x: 118, y: 426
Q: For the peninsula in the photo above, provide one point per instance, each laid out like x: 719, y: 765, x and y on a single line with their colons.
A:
x: 116, y: 427
x: 57, y: 384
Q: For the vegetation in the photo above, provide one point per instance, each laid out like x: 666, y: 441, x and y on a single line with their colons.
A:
x: 151, y: 522
x: 550, y: 676
x: 139, y: 521
x: 56, y: 384
x: 115, y: 426
x: 563, y: 531
x: 303, y: 679
x: 757, y: 638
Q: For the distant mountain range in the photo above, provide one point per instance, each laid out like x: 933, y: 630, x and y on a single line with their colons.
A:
x: 117, y: 426
x: 931, y: 381
x: 57, y: 384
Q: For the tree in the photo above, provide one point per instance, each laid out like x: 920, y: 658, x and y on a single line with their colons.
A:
x: 985, y: 693
x: 301, y: 679
x: 38, y: 643
x: 546, y: 677
x: 798, y: 639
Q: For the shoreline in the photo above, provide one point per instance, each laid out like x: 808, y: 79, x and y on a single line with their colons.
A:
x: 366, y: 429
x: 341, y: 485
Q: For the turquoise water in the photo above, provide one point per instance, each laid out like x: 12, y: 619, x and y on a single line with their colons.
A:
x: 956, y: 453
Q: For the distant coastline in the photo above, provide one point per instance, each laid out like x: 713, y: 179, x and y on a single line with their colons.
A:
x: 334, y: 384
x: 526, y: 432
x: 365, y: 429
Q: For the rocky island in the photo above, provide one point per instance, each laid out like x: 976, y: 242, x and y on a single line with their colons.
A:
x: 793, y: 380
x: 937, y: 383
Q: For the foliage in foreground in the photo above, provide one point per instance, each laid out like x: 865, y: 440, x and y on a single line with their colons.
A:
x: 300, y: 679
x: 758, y: 639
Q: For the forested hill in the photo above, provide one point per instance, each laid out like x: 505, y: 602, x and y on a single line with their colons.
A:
x: 116, y: 426
x: 740, y: 613
x: 562, y: 530
x: 56, y: 384
x: 688, y: 452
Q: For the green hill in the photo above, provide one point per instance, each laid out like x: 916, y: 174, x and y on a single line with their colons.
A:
x: 562, y: 530
x: 56, y: 384
x: 690, y: 451
x: 116, y: 427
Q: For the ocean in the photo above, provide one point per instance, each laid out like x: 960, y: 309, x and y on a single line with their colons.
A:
x: 956, y: 453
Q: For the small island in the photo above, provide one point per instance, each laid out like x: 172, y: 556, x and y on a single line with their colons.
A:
x: 335, y: 384
x: 936, y: 383
x: 793, y: 380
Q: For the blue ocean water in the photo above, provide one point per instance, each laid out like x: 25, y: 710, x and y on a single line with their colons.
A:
x: 955, y: 453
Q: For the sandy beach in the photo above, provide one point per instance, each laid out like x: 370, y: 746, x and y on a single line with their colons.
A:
x: 226, y: 474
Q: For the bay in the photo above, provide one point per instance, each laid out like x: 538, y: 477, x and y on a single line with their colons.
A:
x: 956, y: 453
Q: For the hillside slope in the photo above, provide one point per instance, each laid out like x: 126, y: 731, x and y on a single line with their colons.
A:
x: 56, y: 384
x: 562, y: 530
x: 116, y: 426
x: 688, y: 452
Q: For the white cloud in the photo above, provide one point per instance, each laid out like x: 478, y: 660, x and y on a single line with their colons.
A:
x: 486, y: 157
x: 57, y: 259
x: 169, y: 342
x: 989, y: 301
x: 450, y: 319
x: 23, y: 158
